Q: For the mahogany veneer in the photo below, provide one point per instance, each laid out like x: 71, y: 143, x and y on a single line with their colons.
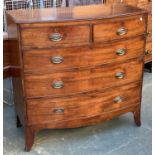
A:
x: 147, y: 5
x: 76, y: 67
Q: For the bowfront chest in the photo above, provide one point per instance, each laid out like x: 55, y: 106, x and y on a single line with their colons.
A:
x: 76, y: 66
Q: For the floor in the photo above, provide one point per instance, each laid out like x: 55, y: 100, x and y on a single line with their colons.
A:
x: 119, y: 136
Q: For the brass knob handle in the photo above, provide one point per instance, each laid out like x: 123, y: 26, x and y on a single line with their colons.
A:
x: 58, y: 110
x: 121, y: 31
x: 148, y: 33
x: 118, y: 99
x: 120, y: 75
x: 57, y: 59
x: 57, y: 84
x: 55, y: 37
x: 147, y: 52
x: 121, y: 51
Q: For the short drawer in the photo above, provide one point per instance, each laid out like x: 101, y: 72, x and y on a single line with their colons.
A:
x: 83, y: 106
x: 48, y: 37
x: 119, y: 29
x: 82, y: 80
x: 43, y: 61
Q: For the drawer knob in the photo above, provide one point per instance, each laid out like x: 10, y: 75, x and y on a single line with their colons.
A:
x: 121, y: 31
x: 121, y: 51
x: 58, y: 110
x: 55, y: 37
x: 57, y: 59
x: 57, y: 84
x: 148, y: 33
x: 147, y: 52
x: 118, y: 99
x: 119, y: 75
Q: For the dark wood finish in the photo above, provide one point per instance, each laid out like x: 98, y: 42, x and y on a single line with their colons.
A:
x: 6, y: 59
x: 99, y: 84
x: 136, y: 114
x: 29, y: 138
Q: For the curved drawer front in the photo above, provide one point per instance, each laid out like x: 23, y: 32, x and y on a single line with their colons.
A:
x: 119, y: 29
x: 83, y: 106
x: 77, y: 81
x: 48, y: 37
x: 43, y: 61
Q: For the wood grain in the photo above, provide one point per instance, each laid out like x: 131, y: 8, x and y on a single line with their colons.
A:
x: 108, y: 31
x: 73, y: 13
x: 78, y: 81
x: 75, y: 107
x: 71, y: 36
x: 88, y: 71
x: 39, y: 61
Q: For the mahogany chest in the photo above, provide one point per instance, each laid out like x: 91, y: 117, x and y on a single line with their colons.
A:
x: 76, y: 67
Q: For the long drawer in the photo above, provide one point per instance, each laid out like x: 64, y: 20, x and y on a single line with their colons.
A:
x: 119, y: 29
x: 48, y: 37
x: 43, y: 61
x: 78, y: 81
x: 83, y: 106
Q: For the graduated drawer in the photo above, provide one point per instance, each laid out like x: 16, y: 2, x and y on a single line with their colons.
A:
x: 47, y: 37
x: 43, y: 61
x: 122, y: 28
x: 82, y: 80
x: 83, y: 106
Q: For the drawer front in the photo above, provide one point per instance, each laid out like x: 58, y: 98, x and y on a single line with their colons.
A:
x: 48, y: 37
x: 43, y: 61
x: 78, y: 81
x: 148, y: 52
x: 82, y: 106
x: 119, y: 29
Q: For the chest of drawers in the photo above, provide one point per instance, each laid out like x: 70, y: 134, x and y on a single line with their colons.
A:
x: 77, y: 67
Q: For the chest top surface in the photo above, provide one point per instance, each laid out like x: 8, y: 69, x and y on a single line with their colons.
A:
x: 89, y: 12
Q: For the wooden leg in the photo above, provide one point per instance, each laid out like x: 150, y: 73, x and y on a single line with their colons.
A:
x: 18, y: 123
x: 137, y: 118
x: 29, y: 138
